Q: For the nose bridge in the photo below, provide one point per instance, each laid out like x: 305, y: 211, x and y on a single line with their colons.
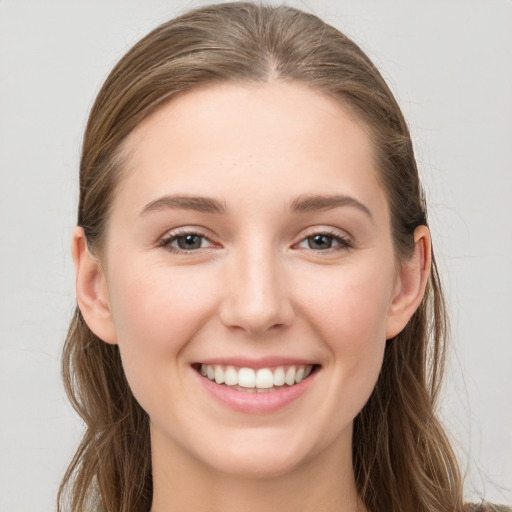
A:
x: 257, y: 297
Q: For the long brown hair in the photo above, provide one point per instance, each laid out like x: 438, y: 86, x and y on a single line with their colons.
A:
x: 401, y: 456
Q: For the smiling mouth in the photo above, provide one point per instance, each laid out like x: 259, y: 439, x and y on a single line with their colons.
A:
x: 259, y: 380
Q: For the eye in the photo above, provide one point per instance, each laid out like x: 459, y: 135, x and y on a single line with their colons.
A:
x: 325, y: 242
x: 185, y: 241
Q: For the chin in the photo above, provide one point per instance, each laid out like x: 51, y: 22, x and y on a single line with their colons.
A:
x: 259, y: 457
x: 261, y: 467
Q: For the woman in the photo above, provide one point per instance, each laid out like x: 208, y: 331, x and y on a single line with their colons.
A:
x: 260, y: 323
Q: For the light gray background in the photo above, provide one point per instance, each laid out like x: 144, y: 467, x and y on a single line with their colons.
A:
x: 450, y: 64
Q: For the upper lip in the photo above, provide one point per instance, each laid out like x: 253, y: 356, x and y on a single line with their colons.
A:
x: 256, y: 363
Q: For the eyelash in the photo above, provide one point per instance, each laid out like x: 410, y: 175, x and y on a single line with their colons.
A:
x: 176, y: 235
x: 344, y: 242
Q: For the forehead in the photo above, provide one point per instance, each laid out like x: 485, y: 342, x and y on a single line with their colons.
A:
x: 241, y: 140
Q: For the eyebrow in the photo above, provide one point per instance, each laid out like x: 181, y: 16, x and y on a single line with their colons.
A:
x: 302, y: 204
x: 198, y: 204
x: 309, y: 203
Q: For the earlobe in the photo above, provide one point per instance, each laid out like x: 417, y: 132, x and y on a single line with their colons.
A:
x: 411, y: 284
x: 91, y: 289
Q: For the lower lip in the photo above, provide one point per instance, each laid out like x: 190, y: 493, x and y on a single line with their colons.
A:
x: 254, y: 402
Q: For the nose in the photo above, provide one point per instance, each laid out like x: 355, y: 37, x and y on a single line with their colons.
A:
x: 256, y: 295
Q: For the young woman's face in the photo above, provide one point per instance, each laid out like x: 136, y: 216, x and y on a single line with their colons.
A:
x: 249, y: 238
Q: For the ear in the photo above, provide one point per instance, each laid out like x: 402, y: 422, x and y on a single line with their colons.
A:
x: 411, y: 283
x: 91, y: 289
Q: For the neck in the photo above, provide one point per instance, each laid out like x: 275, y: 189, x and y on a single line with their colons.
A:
x: 183, y: 483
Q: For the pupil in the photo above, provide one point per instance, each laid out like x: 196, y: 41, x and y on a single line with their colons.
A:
x: 320, y: 242
x: 189, y: 242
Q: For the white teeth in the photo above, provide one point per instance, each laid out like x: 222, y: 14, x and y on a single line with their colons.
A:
x: 256, y: 380
x: 279, y: 376
x: 219, y: 374
x: 246, y: 378
x: 230, y: 376
x: 290, y: 376
x: 264, y: 378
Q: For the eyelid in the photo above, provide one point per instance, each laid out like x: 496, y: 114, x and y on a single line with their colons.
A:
x: 344, y: 240
x: 173, y: 234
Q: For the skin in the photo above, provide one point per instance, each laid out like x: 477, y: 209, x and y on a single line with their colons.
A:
x: 254, y: 288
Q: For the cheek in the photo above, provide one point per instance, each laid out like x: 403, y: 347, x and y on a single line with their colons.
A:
x: 348, y: 310
x: 156, y: 312
x: 350, y: 303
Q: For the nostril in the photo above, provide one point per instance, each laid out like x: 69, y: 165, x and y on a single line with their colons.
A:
x: 256, y: 319
x: 256, y: 299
